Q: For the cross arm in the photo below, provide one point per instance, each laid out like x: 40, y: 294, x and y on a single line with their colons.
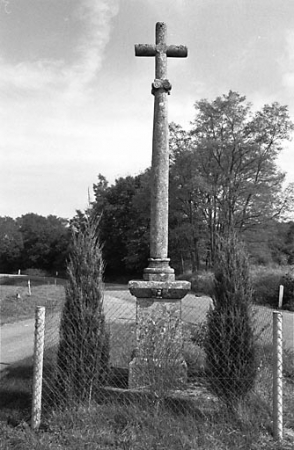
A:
x: 174, y: 51
x: 177, y: 51
x: 145, y: 50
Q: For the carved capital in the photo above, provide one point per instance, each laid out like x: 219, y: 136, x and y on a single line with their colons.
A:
x: 161, y: 84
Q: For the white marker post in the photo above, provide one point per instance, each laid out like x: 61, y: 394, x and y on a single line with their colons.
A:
x: 29, y: 287
x: 281, y: 295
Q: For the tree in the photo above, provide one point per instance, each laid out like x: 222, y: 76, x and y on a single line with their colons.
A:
x: 11, y: 245
x: 232, y: 179
x: 45, y: 242
x: 230, y: 344
x: 83, y: 353
x: 123, y: 209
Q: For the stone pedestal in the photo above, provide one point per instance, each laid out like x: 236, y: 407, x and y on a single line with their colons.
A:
x: 158, y: 362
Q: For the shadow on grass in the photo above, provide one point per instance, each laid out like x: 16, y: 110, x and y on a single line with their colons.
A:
x: 16, y: 392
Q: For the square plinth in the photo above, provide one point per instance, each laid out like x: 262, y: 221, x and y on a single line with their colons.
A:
x: 158, y: 362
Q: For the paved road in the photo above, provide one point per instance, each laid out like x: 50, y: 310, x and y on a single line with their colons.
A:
x: 17, y: 339
x: 17, y: 342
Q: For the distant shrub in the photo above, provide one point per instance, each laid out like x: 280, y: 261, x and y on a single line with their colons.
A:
x: 288, y: 364
x: 266, y: 289
x: 288, y: 299
x: 36, y: 273
x: 201, y: 282
x: 266, y: 286
x: 230, y: 343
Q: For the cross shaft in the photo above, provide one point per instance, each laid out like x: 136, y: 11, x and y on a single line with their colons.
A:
x: 158, y: 269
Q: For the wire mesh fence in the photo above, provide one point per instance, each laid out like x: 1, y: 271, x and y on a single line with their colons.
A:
x: 194, y: 394
x: 120, y: 315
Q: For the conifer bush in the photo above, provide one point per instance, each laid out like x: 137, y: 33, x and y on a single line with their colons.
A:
x: 230, y: 344
x: 83, y: 353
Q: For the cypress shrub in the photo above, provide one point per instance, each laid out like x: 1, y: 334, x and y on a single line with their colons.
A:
x: 230, y: 344
x: 83, y: 353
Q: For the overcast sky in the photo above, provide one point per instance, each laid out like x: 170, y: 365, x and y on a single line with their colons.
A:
x: 75, y: 101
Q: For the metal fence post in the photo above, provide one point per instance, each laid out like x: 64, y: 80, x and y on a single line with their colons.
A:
x: 38, y: 366
x: 278, y: 375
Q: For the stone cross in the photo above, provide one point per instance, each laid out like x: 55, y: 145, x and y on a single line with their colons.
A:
x: 158, y: 268
x: 158, y: 360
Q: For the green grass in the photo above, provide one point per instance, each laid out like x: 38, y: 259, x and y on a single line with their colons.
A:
x: 16, y: 303
x: 138, y: 425
x: 135, y: 424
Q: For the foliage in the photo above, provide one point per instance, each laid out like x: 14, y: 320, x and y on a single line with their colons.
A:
x: 45, y: 242
x: 266, y: 284
x: 83, y: 354
x: 288, y: 363
x: 287, y: 281
x: 266, y: 288
x: 224, y: 173
x: 123, y: 210
x: 198, y: 333
x: 11, y: 245
x: 230, y: 343
x: 33, y: 242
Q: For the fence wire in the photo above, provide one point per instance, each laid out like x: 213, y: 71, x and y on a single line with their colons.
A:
x: 120, y: 315
x: 196, y: 395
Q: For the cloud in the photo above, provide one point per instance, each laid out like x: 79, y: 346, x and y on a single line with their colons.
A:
x: 47, y: 75
x: 288, y: 60
x: 97, y: 15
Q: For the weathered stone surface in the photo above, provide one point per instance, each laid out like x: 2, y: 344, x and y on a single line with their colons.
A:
x: 159, y: 270
x: 156, y: 290
x: 158, y: 363
x: 160, y: 152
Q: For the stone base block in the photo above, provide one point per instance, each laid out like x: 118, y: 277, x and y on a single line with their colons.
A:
x: 158, y: 364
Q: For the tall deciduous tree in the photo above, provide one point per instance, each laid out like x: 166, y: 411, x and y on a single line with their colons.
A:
x: 226, y: 169
x: 123, y: 209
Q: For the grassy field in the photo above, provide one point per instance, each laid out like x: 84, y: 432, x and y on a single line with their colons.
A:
x: 138, y: 424
x: 118, y: 423
x: 16, y: 303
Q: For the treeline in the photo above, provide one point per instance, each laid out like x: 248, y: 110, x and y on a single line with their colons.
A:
x: 223, y: 176
x: 34, y: 242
